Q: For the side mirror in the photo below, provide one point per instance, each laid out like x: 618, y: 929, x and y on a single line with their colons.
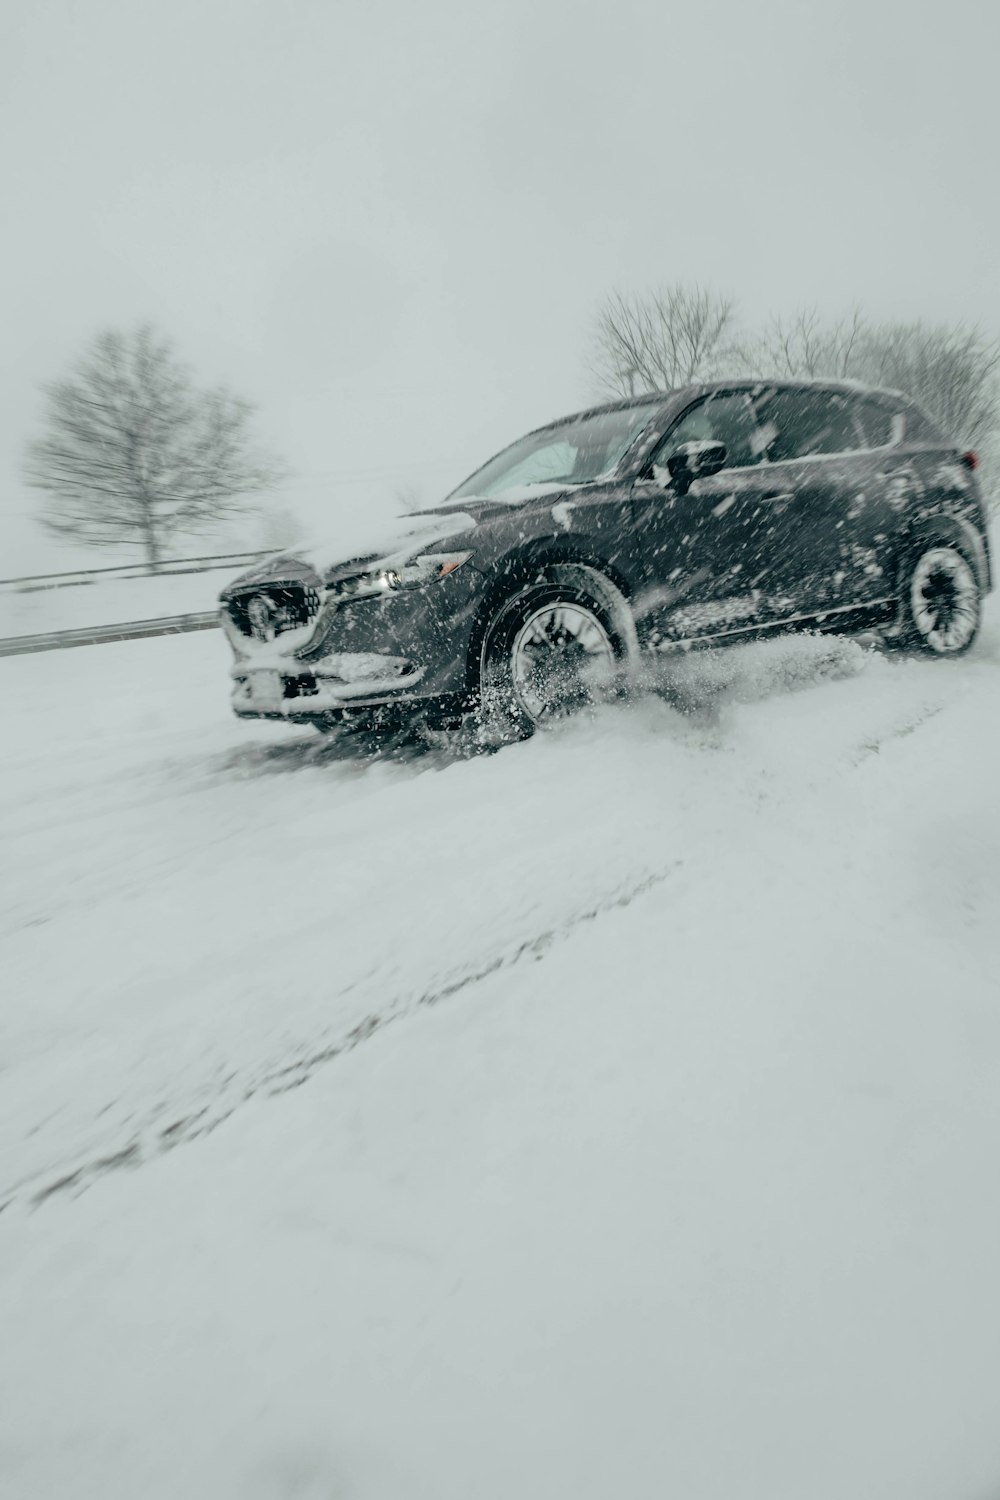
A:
x: 695, y: 461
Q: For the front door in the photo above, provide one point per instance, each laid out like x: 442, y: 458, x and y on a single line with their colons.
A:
x: 717, y: 556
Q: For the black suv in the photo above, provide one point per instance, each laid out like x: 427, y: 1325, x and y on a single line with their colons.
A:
x: 712, y: 514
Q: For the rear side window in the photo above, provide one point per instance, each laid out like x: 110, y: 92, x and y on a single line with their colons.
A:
x: 885, y: 423
x: 807, y: 424
x: 880, y: 425
x: 919, y: 428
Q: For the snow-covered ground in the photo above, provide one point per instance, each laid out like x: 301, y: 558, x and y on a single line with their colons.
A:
x: 673, y: 1174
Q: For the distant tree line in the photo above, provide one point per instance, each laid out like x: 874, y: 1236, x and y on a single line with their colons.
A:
x: 678, y: 334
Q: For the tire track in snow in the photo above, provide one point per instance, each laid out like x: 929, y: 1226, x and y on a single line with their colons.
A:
x: 899, y: 731
x: 155, y: 1139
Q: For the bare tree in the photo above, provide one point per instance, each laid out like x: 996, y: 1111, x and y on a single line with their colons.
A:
x: 134, y: 453
x: 804, y: 347
x: 952, y: 371
x: 660, y: 340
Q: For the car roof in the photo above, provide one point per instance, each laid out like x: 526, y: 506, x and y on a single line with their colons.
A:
x: 841, y: 386
x: 681, y: 395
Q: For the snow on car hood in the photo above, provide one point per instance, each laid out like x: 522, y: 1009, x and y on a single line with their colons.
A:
x: 395, y: 542
x: 387, y: 544
x: 392, y: 542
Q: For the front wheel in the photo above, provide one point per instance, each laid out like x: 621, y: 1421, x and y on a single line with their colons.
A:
x: 940, y: 600
x: 550, y: 652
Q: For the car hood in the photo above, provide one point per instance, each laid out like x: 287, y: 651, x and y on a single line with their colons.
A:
x: 391, y: 543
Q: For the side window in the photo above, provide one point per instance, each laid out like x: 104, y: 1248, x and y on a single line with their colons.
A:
x: 726, y: 418
x: 919, y: 428
x: 878, y: 423
x: 807, y: 424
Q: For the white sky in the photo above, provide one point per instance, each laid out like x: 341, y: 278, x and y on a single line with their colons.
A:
x: 391, y: 224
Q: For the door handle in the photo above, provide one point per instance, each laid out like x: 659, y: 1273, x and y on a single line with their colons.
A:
x: 779, y: 499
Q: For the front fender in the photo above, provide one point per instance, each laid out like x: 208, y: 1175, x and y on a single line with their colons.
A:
x: 519, y: 570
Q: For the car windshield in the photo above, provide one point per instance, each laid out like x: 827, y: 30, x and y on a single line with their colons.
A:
x: 570, y: 452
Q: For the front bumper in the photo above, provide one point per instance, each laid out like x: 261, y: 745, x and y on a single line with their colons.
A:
x: 352, y: 680
x: 406, y: 648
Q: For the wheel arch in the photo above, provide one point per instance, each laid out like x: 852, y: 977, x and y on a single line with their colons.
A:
x: 524, y: 565
x: 955, y: 529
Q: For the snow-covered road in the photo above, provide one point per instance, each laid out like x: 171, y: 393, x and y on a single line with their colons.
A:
x: 685, y: 1187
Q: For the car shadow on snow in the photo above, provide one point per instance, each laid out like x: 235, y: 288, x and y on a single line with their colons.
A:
x: 352, y: 751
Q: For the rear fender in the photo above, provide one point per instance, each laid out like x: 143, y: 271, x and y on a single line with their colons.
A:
x: 955, y: 529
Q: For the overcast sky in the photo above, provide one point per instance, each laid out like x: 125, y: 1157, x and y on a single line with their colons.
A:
x: 391, y: 222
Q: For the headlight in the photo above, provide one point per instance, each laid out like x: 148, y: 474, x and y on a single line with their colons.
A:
x: 411, y: 575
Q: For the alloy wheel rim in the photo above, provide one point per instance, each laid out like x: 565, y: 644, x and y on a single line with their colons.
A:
x: 944, y: 600
x: 561, y: 659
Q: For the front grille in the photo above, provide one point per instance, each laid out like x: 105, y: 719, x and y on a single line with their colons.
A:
x: 267, y: 610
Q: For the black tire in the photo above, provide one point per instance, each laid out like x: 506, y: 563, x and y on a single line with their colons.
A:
x: 550, y: 651
x: 940, y: 600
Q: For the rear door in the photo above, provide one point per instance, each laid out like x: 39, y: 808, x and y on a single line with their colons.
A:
x: 827, y: 450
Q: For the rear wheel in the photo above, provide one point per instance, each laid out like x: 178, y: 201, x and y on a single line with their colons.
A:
x: 940, y: 601
x: 550, y: 652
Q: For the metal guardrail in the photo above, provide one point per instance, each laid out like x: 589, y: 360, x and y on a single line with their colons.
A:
x: 100, y: 635
x: 129, y: 630
x: 170, y: 567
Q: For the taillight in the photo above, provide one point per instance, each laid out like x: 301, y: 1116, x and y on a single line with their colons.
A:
x: 970, y: 460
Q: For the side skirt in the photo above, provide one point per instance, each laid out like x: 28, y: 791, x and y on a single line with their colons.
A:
x: 843, y: 618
